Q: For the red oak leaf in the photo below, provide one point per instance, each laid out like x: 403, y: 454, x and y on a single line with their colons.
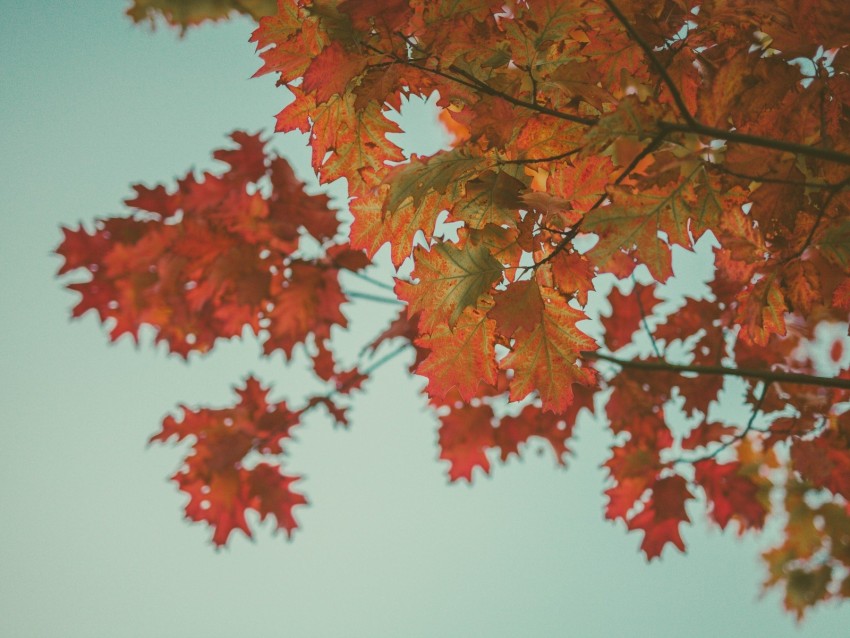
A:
x: 731, y: 494
x: 466, y: 434
x: 662, y: 515
x: 628, y: 312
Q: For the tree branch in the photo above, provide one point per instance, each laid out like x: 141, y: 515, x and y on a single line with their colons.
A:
x: 653, y: 144
x: 655, y: 62
x: 698, y: 128
x: 692, y: 125
x: 765, y: 375
x: 539, y: 160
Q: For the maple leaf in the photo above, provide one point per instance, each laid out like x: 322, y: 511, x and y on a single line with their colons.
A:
x: 490, y: 198
x: 419, y: 181
x: 555, y: 429
x: 307, y: 302
x: 834, y: 245
x: 633, y: 222
x: 270, y: 495
x: 761, y: 310
x: 288, y: 41
x: 208, y: 273
x: 632, y: 467
x: 572, y: 274
x: 372, y: 228
x: 343, y: 137
x: 329, y: 73
x: 581, y: 184
x: 520, y: 294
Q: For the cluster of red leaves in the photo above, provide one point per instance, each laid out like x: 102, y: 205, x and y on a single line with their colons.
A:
x: 215, y: 256
x: 591, y: 137
x: 220, y: 486
x: 207, y: 260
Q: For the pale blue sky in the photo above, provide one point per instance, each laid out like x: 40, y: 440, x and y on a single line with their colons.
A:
x: 92, y: 542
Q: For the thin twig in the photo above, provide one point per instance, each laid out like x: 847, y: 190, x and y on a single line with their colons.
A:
x: 653, y: 144
x: 372, y: 281
x: 365, y: 295
x: 643, y: 320
x: 655, y: 62
x: 738, y: 437
x: 387, y: 357
x: 551, y: 158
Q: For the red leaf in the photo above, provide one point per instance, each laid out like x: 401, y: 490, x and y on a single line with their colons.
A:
x: 330, y: 72
x: 546, y: 359
x: 731, y: 493
x: 661, y: 516
x: 465, y: 436
x: 519, y: 306
x: 461, y: 358
x: 627, y: 314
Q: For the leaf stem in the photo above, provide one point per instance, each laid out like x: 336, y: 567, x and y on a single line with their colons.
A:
x: 365, y: 295
x: 374, y: 282
x: 643, y: 321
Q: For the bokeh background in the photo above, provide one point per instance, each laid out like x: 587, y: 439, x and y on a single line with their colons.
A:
x: 92, y: 542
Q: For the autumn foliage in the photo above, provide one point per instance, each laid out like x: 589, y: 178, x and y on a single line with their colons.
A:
x: 594, y: 142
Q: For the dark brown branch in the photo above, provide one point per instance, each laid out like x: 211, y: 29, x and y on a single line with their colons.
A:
x: 765, y: 179
x: 655, y: 62
x: 765, y: 375
x: 754, y: 140
x: 551, y: 158
x: 486, y: 88
x: 691, y: 126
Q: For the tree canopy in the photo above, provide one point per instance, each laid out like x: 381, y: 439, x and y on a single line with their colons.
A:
x: 592, y: 141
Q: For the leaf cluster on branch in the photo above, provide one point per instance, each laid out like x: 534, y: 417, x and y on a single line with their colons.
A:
x: 590, y: 138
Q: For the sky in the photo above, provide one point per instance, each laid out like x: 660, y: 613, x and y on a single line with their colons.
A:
x: 92, y: 539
